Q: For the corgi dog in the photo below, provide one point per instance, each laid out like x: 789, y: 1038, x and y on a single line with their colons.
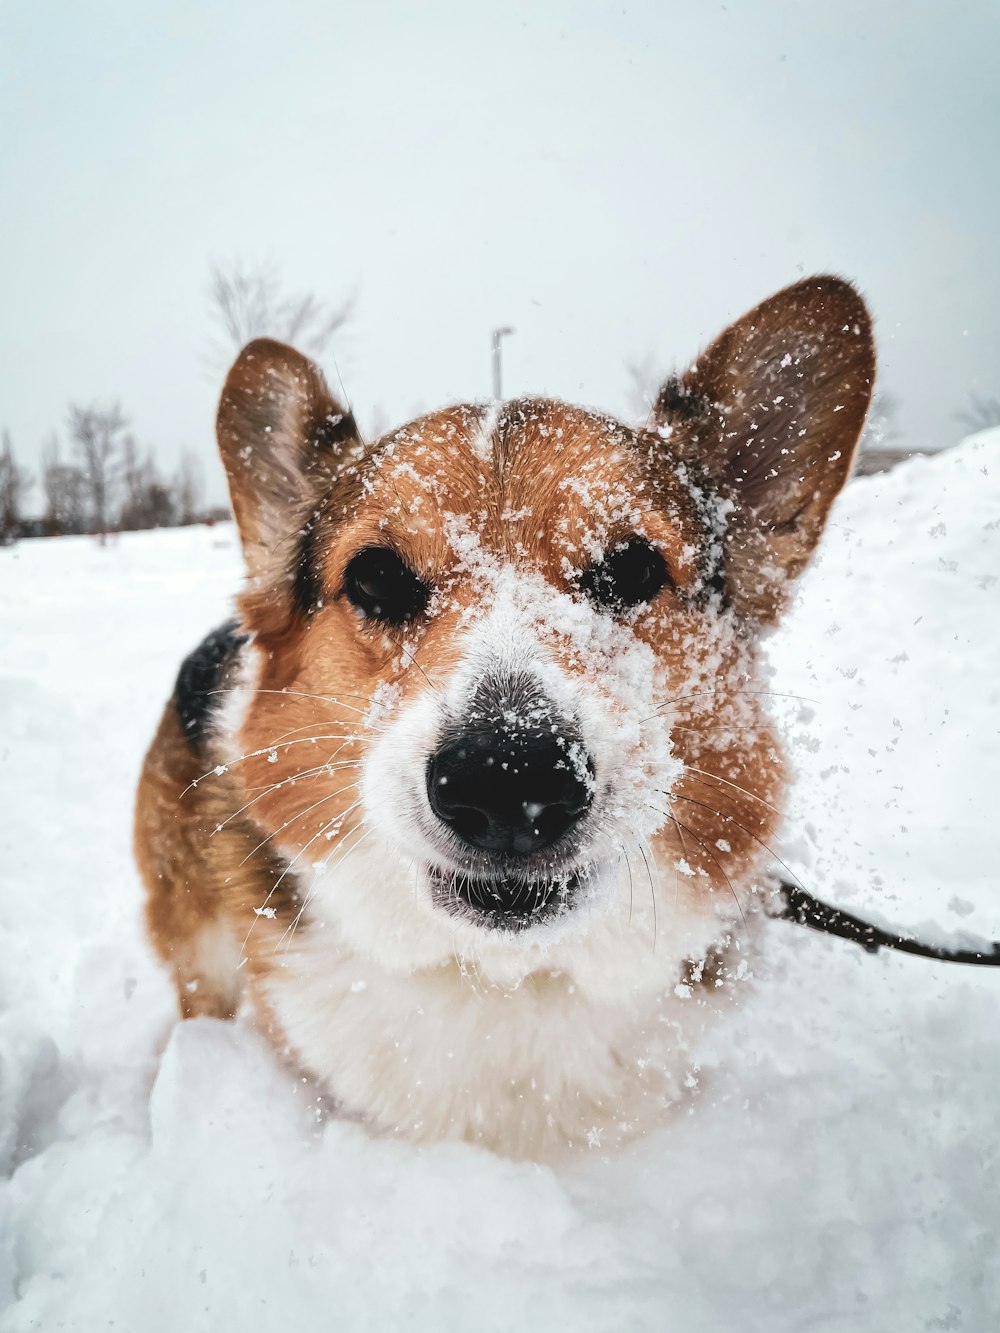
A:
x: 469, y: 804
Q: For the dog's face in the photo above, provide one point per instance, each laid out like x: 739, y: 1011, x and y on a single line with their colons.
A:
x: 506, y: 695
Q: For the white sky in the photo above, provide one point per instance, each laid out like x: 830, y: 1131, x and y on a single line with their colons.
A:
x: 615, y: 181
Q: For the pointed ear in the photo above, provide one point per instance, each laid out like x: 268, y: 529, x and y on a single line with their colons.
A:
x: 283, y: 438
x: 770, y: 417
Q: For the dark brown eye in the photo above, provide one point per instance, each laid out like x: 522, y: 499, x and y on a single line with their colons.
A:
x: 630, y: 574
x: 383, y: 587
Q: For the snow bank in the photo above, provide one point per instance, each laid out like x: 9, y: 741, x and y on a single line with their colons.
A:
x: 840, y: 1170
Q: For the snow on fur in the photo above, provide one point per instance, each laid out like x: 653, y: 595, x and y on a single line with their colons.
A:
x: 839, y: 1168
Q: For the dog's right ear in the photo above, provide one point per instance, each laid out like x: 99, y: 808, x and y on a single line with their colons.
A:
x: 283, y: 438
x: 769, y: 416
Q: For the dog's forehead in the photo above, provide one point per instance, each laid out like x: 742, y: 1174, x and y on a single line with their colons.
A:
x: 495, y: 445
x: 521, y: 472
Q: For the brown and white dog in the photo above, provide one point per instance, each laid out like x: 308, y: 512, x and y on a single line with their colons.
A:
x: 466, y: 802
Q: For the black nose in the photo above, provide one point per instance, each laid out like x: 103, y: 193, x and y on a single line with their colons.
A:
x: 510, y: 791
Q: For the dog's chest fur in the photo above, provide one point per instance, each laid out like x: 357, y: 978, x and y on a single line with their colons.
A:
x: 534, y: 1066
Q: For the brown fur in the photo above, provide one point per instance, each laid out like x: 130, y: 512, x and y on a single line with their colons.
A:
x: 768, y: 418
x: 202, y: 866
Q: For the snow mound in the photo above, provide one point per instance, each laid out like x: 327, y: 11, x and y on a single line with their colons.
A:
x: 840, y: 1167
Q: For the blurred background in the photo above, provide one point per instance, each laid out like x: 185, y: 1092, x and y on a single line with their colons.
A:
x: 385, y: 184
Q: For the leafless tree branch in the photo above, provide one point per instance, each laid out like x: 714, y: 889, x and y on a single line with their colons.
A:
x: 14, y: 481
x: 251, y: 303
x: 96, y: 432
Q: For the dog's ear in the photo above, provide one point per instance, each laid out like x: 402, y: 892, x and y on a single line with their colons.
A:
x: 770, y: 416
x: 283, y: 438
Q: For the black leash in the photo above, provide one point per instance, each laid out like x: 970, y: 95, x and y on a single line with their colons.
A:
x: 793, y: 903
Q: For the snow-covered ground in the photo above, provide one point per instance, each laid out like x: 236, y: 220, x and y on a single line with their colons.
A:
x: 840, y: 1170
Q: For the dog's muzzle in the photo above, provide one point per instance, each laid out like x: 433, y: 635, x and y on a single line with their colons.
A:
x: 512, y: 795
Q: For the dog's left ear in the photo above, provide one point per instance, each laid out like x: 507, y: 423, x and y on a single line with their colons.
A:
x: 284, y: 439
x: 770, y: 416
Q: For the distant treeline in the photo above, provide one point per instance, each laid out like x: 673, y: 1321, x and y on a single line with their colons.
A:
x: 105, y: 483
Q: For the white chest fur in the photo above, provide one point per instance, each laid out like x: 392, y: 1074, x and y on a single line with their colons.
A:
x: 591, y: 1043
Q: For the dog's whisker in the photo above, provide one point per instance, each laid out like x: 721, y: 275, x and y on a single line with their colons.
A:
x: 262, y: 792
x: 307, y: 726
x: 310, y: 897
x: 728, y: 690
x: 413, y: 659
x: 677, y: 887
x: 329, y: 765
x: 301, y: 814
x: 299, y: 694
x: 346, y: 737
x: 285, y: 782
x: 709, y: 852
x: 652, y: 890
x: 223, y: 767
x: 261, y: 911
x: 330, y: 762
x: 690, y: 768
x: 320, y: 833
x: 728, y: 818
x: 314, y: 723
x: 628, y: 868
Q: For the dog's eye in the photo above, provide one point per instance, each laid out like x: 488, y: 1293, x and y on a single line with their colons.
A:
x: 629, y: 574
x: 383, y: 587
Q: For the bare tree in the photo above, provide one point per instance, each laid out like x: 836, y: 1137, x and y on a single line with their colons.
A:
x: 981, y: 414
x: 63, y: 488
x: 14, y: 481
x: 135, y: 474
x: 96, y: 432
x: 148, y: 502
x: 189, y: 489
x: 251, y: 303
x: 161, y: 505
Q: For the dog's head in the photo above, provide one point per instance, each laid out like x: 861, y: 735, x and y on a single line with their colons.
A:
x: 506, y: 691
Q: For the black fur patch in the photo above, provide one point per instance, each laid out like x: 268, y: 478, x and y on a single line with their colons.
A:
x: 197, y: 693
x: 307, y: 585
x: 714, y: 585
x: 335, y: 431
x: 332, y: 435
x: 676, y: 402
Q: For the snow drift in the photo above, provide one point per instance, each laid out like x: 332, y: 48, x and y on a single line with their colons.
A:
x: 839, y: 1169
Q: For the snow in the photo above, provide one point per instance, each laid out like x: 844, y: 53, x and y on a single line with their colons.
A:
x: 839, y: 1170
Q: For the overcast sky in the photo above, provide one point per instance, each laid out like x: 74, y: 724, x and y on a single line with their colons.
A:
x: 616, y: 181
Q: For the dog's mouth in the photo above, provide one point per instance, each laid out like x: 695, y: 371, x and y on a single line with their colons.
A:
x: 510, y: 902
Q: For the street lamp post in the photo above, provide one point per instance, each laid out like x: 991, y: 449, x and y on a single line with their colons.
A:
x: 497, y: 375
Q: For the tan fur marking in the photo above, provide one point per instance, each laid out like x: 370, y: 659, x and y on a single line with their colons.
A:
x: 767, y: 422
x: 203, y: 881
